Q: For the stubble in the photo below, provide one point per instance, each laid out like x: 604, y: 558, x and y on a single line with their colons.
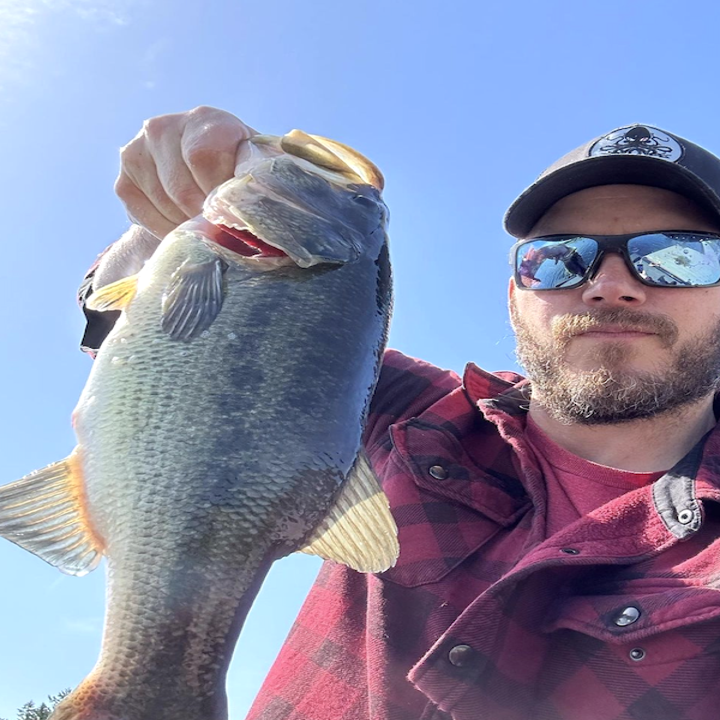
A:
x: 613, y: 392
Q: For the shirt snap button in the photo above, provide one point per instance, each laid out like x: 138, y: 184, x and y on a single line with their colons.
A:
x: 438, y: 472
x: 460, y: 655
x: 627, y: 616
x: 637, y: 654
x: 685, y: 516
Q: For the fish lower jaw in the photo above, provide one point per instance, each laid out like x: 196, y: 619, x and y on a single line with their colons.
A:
x: 259, y: 263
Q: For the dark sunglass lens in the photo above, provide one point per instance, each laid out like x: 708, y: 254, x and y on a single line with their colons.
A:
x: 676, y: 259
x: 554, y: 264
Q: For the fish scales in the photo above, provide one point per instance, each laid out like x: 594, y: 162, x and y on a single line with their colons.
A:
x: 272, y: 426
x: 203, y: 459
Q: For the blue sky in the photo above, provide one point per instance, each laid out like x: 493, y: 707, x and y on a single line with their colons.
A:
x: 460, y: 103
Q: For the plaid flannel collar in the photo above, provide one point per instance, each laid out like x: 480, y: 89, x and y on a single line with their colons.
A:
x: 504, y: 399
x: 499, y: 396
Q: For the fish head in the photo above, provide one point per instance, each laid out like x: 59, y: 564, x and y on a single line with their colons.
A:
x: 301, y: 197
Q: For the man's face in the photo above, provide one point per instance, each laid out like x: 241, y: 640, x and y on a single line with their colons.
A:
x: 613, y: 349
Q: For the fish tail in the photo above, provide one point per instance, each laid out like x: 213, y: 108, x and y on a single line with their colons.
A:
x: 84, y: 703
x: 99, y: 698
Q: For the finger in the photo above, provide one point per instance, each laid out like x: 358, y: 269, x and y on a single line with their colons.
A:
x: 210, y: 145
x: 138, y: 163
x: 179, y: 185
x: 140, y: 210
x: 162, y: 139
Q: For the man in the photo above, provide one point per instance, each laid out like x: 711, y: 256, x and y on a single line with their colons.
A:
x: 559, y: 537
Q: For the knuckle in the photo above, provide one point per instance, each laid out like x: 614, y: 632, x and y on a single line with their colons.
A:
x: 202, y: 110
x: 155, y: 127
x: 131, y: 154
x: 130, y: 149
x: 124, y: 186
x: 200, y: 154
x: 212, y: 118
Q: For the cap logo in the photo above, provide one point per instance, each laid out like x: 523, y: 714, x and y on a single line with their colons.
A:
x: 638, y: 140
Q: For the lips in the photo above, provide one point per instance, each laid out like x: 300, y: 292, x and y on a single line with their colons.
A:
x: 615, y: 330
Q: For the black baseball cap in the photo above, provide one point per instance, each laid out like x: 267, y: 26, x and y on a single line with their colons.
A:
x: 634, y: 154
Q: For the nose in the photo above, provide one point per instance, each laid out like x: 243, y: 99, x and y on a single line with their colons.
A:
x: 613, y: 285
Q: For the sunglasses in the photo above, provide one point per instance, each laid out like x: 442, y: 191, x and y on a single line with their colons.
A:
x: 668, y: 258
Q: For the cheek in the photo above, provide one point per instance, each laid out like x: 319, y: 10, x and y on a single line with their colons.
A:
x: 692, y: 311
x: 537, y: 310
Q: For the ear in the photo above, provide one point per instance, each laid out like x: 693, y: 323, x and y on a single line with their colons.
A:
x: 511, y: 301
x: 511, y: 289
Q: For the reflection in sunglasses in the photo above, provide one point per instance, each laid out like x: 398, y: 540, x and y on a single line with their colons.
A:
x: 680, y: 265
x: 536, y: 257
x: 661, y: 258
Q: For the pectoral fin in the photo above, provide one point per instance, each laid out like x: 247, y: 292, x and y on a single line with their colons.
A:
x: 45, y: 513
x: 193, y: 299
x: 359, y: 530
x: 115, y: 296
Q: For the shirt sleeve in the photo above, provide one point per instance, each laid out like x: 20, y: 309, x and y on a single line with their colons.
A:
x: 97, y: 324
x: 406, y: 387
x: 125, y: 257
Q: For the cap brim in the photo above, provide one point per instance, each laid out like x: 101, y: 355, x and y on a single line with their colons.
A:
x: 608, y: 170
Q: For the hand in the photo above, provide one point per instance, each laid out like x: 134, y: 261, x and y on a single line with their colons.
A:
x: 125, y: 256
x: 170, y: 166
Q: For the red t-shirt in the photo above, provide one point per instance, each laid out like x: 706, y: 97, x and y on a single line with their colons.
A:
x: 576, y: 486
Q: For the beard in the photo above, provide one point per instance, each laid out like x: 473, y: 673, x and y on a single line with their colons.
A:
x: 611, y: 393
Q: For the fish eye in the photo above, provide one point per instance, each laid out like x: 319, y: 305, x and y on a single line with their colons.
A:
x: 363, y: 200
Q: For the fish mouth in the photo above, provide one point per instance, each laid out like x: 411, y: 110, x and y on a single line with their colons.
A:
x: 238, y: 239
x: 233, y: 232
x: 242, y: 242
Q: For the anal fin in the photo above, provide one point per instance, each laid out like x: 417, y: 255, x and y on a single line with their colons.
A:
x: 45, y: 513
x: 359, y: 530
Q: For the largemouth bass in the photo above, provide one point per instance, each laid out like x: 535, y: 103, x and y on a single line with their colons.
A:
x: 220, y: 427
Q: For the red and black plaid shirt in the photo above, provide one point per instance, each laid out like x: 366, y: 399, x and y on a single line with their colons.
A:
x: 484, y: 618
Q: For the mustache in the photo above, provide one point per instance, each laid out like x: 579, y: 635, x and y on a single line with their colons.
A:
x: 568, y: 326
